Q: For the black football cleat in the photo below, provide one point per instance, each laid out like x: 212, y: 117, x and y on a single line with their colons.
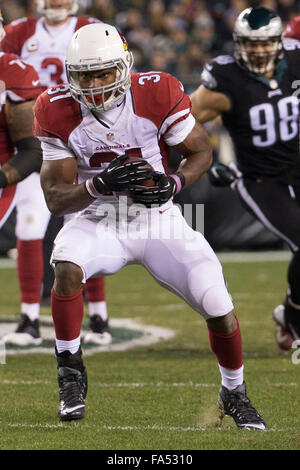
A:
x: 27, y: 333
x: 100, y: 332
x: 236, y: 404
x: 72, y: 383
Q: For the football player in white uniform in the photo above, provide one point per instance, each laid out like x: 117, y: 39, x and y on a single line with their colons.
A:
x: 20, y: 152
x: 90, y: 128
x: 42, y: 42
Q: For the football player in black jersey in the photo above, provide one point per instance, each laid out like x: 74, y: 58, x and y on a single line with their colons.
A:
x: 255, y: 91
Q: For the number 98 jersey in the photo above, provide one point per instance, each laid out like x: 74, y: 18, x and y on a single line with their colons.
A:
x: 264, y: 117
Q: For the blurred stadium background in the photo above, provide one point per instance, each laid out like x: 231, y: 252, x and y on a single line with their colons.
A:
x: 179, y: 37
x: 163, y: 396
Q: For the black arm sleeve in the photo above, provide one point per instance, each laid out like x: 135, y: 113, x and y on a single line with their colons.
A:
x: 28, y: 157
x: 3, y: 180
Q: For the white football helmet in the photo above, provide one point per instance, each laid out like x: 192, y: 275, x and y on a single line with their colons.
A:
x: 56, y: 14
x: 2, y: 30
x: 258, y: 24
x: 96, y: 47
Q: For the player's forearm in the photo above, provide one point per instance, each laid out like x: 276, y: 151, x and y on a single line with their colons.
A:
x: 197, y: 153
x: 61, y: 195
x: 195, y: 166
x: 65, y: 199
x: 201, y: 112
x: 25, y: 161
x: 207, y: 105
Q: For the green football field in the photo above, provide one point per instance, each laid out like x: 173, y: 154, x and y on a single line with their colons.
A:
x: 161, y: 391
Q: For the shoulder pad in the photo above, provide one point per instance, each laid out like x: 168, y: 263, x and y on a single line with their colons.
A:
x: 157, y: 95
x: 94, y: 20
x: 224, y: 59
x: 19, y: 20
x: 57, y: 114
x: 17, y: 33
x: 21, y: 80
x: 290, y: 44
x: 207, y: 79
x: 218, y: 72
x: 83, y: 21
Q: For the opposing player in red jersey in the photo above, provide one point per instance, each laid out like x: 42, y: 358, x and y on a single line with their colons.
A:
x: 42, y: 42
x: 20, y: 151
x: 89, y: 128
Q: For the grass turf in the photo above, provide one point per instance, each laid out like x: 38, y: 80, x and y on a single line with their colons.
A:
x: 161, y: 396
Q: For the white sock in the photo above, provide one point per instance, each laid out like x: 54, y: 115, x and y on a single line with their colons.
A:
x: 71, y: 346
x: 31, y: 310
x: 98, y: 308
x: 232, y: 378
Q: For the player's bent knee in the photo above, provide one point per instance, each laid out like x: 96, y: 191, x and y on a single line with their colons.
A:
x: 68, y: 278
x: 216, y: 302
x: 225, y: 324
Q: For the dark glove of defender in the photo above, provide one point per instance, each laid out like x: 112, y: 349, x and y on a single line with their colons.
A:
x: 118, y: 175
x: 165, y: 188
x: 3, y: 180
x: 221, y: 175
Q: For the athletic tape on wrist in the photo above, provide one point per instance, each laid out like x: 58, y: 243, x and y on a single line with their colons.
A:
x: 178, y: 183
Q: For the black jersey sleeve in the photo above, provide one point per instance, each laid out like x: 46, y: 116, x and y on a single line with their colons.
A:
x: 291, y: 49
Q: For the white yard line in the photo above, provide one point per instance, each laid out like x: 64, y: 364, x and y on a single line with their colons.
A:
x: 224, y: 257
x: 151, y: 334
x: 138, y: 384
x: 254, y: 256
x: 7, y: 263
x: 154, y: 427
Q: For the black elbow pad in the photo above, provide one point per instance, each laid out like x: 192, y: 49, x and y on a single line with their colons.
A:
x: 28, y: 158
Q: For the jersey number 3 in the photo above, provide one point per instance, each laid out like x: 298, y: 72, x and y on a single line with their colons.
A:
x: 55, y: 68
x: 275, y: 123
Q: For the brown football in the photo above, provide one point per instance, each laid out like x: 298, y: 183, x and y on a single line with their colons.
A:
x: 149, y: 182
x: 283, y: 339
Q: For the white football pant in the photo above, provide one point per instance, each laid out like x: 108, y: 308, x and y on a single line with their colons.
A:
x: 32, y: 212
x: 179, y: 258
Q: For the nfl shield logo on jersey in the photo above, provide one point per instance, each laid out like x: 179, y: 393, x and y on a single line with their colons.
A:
x: 110, y: 136
x: 32, y: 45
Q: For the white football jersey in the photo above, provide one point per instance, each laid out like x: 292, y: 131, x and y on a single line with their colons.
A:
x: 155, y: 115
x: 42, y: 46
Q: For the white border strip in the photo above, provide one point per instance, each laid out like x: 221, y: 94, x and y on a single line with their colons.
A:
x: 154, y: 427
x: 254, y: 256
x: 138, y: 384
x: 224, y: 257
x: 151, y: 335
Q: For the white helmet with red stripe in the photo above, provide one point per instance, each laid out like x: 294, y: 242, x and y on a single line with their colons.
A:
x: 93, y: 48
x: 57, y: 10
